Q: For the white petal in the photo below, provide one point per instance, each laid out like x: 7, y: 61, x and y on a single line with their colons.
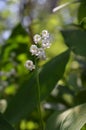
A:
x: 37, y: 38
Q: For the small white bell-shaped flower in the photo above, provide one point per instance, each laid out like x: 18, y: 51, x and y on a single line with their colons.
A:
x: 29, y: 65
x: 37, y: 38
x: 41, y: 54
x: 46, y: 43
x: 45, y: 34
x: 34, y: 49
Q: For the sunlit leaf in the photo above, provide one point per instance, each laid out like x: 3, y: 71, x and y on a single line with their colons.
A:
x: 72, y: 119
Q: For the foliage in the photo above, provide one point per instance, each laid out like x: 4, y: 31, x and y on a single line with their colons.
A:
x: 62, y: 77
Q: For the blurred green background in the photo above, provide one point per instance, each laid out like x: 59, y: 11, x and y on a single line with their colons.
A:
x: 63, y: 83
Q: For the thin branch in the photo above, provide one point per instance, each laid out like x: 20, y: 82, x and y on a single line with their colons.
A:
x: 64, y: 5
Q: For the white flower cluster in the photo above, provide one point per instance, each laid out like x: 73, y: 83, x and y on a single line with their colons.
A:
x: 38, y: 49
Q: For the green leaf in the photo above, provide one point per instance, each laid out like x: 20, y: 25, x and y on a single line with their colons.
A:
x: 18, y: 30
x: 25, y: 100
x: 81, y: 96
x: 84, y: 127
x: 72, y: 119
x: 53, y: 72
x: 83, y: 23
x: 76, y: 40
x: 51, y: 122
x: 17, y: 43
x: 4, y: 125
x: 82, y: 11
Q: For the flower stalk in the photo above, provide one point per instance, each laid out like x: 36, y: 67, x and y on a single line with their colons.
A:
x: 41, y: 43
x: 39, y: 98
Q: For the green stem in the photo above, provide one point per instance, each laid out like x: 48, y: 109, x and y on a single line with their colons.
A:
x: 38, y: 98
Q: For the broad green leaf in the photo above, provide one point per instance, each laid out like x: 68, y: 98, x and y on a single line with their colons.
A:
x: 4, y: 125
x: 25, y: 100
x: 72, y: 119
x: 53, y: 72
x: 76, y: 40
